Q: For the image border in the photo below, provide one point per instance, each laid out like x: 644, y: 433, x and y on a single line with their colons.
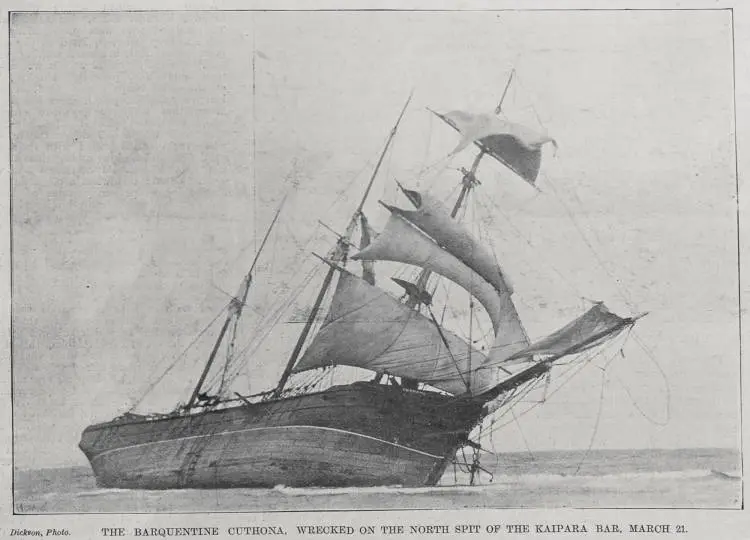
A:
x: 740, y: 419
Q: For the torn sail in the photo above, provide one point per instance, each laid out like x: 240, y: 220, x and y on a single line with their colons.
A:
x: 366, y: 327
x: 515, y: 145
x: 592, y: 328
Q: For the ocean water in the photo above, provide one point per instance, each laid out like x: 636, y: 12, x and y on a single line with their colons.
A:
x: 682, y: 478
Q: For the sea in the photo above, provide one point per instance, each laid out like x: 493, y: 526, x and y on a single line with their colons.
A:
x: 679, y: 478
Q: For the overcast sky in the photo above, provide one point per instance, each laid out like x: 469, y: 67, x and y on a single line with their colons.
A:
x: 137, y: 201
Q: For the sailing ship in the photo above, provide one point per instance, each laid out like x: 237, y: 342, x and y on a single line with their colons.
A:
x: 427, y: 387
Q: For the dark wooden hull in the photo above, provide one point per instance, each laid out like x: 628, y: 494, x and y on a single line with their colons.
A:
x: 363, y: 434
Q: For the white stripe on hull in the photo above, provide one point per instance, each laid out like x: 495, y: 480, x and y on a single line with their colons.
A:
x: 269, y: 456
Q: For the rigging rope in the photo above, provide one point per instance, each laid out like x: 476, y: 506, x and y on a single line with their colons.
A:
x: 178, y: 358
x: 273, y: 316
x: 427, y: 146
x: 523, y: 237
x: 601, y: 397
x: 598, y: 414
x: 523, y: 437
x: 435, y: 168
x: 574, y: 369
x: 531, y: 102
x: 349, y: 184
x: 651, y: 356
x: 268, y: 323
x: 599, y: 260
x: 445, y: 342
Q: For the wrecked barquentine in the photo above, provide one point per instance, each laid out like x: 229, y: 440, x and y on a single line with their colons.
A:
x: 431, y: 387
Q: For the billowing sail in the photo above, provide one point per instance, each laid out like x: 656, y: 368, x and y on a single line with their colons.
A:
x: 402, y: 242
x: 517, y: 146
x: 366, y: 327
x: 589, y: 330
x: 432, y: 217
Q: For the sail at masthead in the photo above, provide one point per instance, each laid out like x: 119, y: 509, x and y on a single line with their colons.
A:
x: 519, y: 148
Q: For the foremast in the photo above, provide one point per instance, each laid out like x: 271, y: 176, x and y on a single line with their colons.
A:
x: 337, y: 255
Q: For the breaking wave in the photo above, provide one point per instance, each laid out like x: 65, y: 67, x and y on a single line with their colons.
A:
x: 307, y: 491
x: 504, y: 480
x: 101, y: 491
x: 725, y: 476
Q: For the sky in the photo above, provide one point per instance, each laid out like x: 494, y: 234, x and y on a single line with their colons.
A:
x: 150, y: 151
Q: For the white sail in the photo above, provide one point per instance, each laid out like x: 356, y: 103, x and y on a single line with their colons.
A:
x: 579, y: 335
x: 516, y: 146
x: 366, y: 327
x: 475, y: 127
x: 433, y: 218
x: 402, y: 242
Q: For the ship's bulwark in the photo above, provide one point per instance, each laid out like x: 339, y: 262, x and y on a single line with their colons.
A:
x: 363, y: 434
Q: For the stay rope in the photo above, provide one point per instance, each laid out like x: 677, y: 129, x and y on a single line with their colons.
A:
x: 598, y: 412
x: 179, y: 357
x: 594, y: 252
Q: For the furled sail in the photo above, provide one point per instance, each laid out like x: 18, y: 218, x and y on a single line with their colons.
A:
x: 515, y: 145
x: 414, y: 292
x: 592, y: 328
x: 432, y: 217
x: 368, y: 267
x: 368, y: 328
x: 402, y: 242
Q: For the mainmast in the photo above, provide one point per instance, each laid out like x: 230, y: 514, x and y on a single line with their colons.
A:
x: 338, y: 254
x: 468, y: 181
x: 235, y: 310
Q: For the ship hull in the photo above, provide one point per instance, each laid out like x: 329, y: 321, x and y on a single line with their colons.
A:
x: 355, y: 435
x: 266, y: 457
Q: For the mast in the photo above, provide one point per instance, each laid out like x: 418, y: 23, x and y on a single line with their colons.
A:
x: 339, y: 254
x: 339, y: 250
x: 358, y: 211
x: 235, y: 310
x: 237, y: 305
x: 206, y: 369
x: 469, y: 180
x: 499, y: 107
